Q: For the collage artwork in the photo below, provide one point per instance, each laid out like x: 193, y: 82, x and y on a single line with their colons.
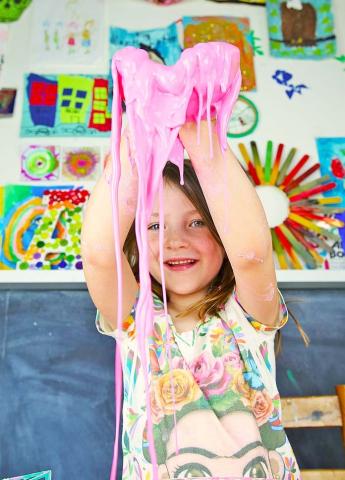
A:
x: 41, y: 213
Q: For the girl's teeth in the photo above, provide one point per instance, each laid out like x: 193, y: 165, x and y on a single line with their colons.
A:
x: 183, y: 262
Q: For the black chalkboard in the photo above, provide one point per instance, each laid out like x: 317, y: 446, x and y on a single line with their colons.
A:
x: 56, y: 381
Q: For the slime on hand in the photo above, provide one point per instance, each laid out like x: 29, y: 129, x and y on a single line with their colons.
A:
x: 204, y: 83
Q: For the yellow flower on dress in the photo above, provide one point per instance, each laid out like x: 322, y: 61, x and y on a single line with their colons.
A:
x: 178, y: 385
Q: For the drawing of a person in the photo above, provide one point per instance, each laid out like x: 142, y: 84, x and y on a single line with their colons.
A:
x: 86, y: 35
x: 72, y: 28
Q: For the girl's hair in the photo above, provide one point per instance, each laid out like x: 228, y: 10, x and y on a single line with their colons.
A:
x: 224, y: 282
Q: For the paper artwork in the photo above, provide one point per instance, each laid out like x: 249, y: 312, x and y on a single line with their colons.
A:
x: 7, y: 101
x: 332, y: 163
x: 81, y: 163
x: 40, y: 163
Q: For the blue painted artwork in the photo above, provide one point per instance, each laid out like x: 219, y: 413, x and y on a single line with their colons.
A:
x: 301, y: 29
x: 161, y: 44
x: 283, y: 78
x: 332, y: 162
x: 65, y: 106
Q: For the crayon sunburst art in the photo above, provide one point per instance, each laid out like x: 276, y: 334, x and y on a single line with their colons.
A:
x: 301, y: 220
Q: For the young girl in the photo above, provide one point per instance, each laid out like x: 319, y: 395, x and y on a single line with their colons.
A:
x: 217, y: 413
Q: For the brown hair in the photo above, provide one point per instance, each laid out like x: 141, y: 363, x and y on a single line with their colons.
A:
x: 224, y: 282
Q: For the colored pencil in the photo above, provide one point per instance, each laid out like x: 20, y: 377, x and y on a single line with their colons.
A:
x: 288, y: 247
x: 319, y: 201
x: 279, y: 251
x: 313, y: 191
x: 295, y: 170
x: 299, y: 234
x: 312, y: 226
x: 298, y: 247
x: 257, y: 161
x: 334, y: 222
x: 275, y: 169
x: 308, y: 185
x: 286, y: 165
x: 250, y: 166
x: 268, y: 161
x: 298, y: 180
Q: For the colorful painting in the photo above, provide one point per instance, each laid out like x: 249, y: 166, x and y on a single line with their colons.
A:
x: 161, y: 44
x: 301, y: 29
x: 332, y: 163
x: 41, y: 227
x: 67, y: 32
x: 81, y: 163
x: 7, y: 101
x: 304, y: 224
x: 40, y: 162
x: 47, y: 475
x: 225, y: 29
x: 65, y: 105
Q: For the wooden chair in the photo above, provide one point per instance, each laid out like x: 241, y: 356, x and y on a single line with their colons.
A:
x: 322, y: 411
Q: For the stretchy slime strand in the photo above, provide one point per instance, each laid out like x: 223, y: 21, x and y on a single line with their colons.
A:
x: 203, y: 84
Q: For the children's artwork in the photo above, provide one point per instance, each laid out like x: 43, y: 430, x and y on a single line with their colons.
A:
x: 11, y: 10
x: 67, y: 32
x: 40, y: 227
x: 284, y: 78
x: 301, y: 29
x: 39, y: 162
x: 33, y: 476
x: 7, y: 101
x: 65, y: 105
x: 81, y: 163
x: 303, y: 222
x: 161, y: 44
x: 332, y: 163
x: 224, y: 29
x: 244, y: 118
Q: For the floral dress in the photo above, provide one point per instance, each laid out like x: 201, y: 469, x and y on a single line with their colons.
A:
x: 225, y: 418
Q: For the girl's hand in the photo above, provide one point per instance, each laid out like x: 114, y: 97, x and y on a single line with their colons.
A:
x: 200, y: 153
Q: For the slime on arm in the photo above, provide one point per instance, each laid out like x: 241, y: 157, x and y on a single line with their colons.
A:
x: 204, y: 83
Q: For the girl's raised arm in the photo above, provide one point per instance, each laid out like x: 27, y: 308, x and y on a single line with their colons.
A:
x: 240, y: 221
x: 97, y: 241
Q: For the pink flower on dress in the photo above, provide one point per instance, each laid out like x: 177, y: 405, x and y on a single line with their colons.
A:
x: 210, y: 374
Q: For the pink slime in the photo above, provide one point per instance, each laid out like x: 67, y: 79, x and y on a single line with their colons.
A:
x: 204, y: 83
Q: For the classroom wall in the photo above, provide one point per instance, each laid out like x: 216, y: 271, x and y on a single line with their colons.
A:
x: 57, y: 381
x: 296, y: 122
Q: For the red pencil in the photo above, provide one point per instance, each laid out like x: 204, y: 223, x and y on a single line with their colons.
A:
x: 304, y: 175
x: 313, y: 191
x: 294, y: 171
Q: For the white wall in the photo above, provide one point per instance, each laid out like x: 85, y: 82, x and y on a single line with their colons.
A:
x: 319, y: 111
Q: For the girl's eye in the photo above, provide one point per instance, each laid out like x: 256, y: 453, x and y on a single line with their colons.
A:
x: 257, y: 468
x: 153, y: 226
x: 198, y: 223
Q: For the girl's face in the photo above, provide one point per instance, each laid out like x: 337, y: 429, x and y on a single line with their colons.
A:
x: 191, y: 255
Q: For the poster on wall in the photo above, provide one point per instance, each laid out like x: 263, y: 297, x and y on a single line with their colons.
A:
x: 332, y: 163
x: 65, y: 105
x: 233, y: 30
x: 300, y: 29
x: 161, y: 44
x: 67, y: 32
x: 40, y: 227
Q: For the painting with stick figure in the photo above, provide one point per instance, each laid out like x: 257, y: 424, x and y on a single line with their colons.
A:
x: 70, y: 31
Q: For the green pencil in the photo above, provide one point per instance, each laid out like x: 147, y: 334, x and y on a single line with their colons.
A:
x: 268, y: 161
x: 286, y: 165
x: 307, y: 186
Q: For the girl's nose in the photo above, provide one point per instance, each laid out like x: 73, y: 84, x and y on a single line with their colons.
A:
x: 175, y: 240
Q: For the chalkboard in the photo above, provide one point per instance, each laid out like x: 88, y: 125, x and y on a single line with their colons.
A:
x: 57, y: 386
